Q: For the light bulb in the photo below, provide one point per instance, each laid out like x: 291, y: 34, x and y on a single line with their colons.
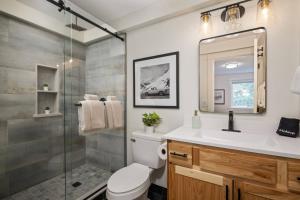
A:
x: 264, y: 9
x: 205, y: 18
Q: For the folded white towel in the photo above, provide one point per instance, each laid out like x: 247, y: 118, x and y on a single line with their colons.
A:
x: 91, y: 97
x: 97, y: 114
x: 111, y: 98
x: 91, y: 116
x: 84, y: 117
x: 109, y: 115
x: 114, y: 113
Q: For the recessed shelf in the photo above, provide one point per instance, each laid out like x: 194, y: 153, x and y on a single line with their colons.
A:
x: 44, y: 91
x: 47, y: 115
x: 47, y: 75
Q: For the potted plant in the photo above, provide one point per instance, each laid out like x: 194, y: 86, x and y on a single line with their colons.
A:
x: 47, y: 110
x: 151, y: 120
x: 45, y: 87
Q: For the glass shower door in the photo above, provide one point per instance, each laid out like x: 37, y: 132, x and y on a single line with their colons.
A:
x: 96, y: 68
x: 32, y: 125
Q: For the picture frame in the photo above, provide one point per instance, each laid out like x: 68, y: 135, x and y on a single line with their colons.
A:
x: 219, y: 97
x: 156, y: 81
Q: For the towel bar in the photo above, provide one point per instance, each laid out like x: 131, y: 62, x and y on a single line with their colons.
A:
x: 102, y: 99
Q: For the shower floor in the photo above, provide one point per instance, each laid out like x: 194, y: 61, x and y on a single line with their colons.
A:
x: 90, y: 176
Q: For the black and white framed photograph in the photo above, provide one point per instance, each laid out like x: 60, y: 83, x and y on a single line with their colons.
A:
x: 156, y: 81
x: 219, y: 96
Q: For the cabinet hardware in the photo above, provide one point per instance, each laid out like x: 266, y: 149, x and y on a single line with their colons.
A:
x: 184, y: 155
x: 239, y: 194
x: 227, y: 192
x: 298, y: 178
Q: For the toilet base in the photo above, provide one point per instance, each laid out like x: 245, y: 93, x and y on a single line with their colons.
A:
x: 143, y: 197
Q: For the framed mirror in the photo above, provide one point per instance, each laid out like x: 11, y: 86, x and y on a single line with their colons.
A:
x: 233, y: 72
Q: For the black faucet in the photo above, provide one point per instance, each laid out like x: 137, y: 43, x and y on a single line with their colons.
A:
x: 230, y: 123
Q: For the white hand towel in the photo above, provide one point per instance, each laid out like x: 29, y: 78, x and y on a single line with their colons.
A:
x: 111, y: 98
x: 84, y: 117
x: 117, y: 109
x: 109, y: 115
x: 115, y: 118
x: 97, y: 114
x: 91, y: 97
x: 91, y: 116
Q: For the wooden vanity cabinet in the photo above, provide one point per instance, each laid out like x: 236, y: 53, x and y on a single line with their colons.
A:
x: 197, y: 172
x: 187, y: 183
x: 251, y: 191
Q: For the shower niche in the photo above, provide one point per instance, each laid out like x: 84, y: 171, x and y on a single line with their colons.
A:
x: 47, y: 91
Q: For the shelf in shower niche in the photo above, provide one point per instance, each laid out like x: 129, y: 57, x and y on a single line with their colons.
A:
x: 49, y: 76
x: 49, y: 92
x: 47, y: 115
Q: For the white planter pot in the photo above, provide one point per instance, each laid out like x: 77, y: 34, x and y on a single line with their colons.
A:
x: 47, y: 112
x: 149, y: 129
x: 46, y: 88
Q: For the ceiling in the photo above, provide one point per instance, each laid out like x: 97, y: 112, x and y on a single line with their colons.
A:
x: 52, y: 11
x: 111, y: 10
x: 124, y: 15
x: 246, y: 65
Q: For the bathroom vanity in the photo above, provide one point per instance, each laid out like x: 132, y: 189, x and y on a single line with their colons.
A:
x: 206, y: 164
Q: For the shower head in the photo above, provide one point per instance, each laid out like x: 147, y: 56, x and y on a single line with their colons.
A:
x: 75, y: 26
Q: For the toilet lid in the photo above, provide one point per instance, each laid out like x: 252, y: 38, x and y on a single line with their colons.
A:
x: 128, y: 178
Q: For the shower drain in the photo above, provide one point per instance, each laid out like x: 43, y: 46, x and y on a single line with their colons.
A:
x: 76, y: 184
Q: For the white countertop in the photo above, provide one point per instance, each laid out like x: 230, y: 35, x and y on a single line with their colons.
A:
x: 269, y: 144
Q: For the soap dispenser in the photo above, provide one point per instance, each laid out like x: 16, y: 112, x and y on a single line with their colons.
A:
x: 196, y: 122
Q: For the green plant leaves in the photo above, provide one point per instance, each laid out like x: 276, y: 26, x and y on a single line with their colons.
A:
x: 151, y: 119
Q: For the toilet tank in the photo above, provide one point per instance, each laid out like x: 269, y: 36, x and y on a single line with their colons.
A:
x: 144, y: 148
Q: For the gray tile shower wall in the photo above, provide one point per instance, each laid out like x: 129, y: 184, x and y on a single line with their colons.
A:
x: 32, y: 150
x: 105, y: 76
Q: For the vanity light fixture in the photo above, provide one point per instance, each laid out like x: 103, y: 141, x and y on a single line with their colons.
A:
x: 264, y: 6
x: 205, y: 17
x: 206, y: 21
x: 264, y: 11
x: 233, y: 13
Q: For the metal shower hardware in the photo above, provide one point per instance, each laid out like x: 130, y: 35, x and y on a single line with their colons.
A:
x: 61, y: 5
x: 102, y: 99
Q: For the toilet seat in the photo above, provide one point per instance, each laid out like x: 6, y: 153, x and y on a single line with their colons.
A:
x: 129, y: 182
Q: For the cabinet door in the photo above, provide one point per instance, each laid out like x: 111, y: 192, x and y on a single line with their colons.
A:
x: 250, y: 191
x: 190, y: 184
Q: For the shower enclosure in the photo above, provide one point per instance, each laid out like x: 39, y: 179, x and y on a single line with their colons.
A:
x: 43, y: 156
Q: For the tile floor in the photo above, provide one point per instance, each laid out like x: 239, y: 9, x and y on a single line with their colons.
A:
x: 90, y: 176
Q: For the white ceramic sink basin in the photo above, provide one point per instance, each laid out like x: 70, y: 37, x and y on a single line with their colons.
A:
x: 265, y: 143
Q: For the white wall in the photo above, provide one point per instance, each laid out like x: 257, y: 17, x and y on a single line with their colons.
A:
x: 183, y: 34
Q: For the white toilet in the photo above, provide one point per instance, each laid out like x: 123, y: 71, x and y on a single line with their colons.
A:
x: 133, y: 181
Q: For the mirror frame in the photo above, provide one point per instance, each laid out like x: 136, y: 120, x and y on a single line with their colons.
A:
x: 266, y: 68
